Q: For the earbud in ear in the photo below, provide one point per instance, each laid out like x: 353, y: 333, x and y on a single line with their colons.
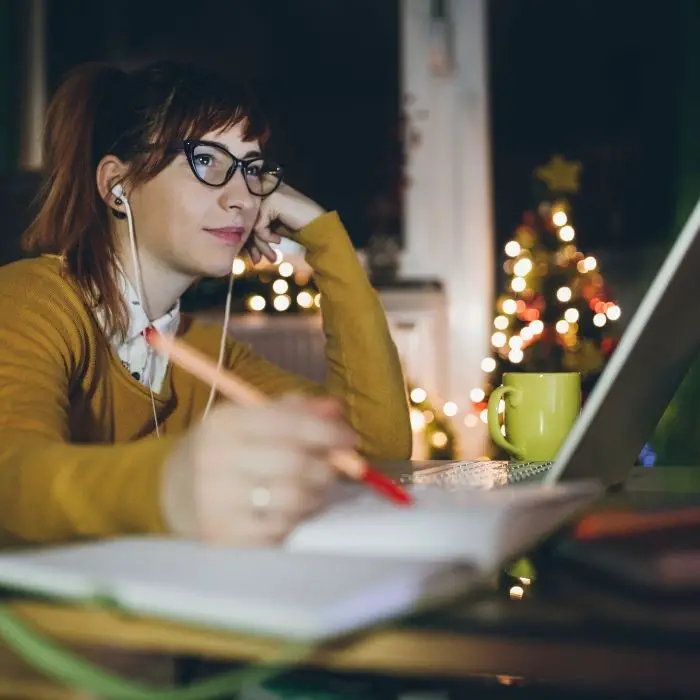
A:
x: 119, y: 198
x: 118, y: 192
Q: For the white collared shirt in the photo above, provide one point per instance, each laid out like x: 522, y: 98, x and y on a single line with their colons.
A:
x: 146, y: 367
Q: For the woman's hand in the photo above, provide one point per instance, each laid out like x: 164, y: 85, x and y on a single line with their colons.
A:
x: 287, y: 207
x: 246, y: 476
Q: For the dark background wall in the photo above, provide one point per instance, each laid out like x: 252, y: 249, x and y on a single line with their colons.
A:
x: 598, y: 82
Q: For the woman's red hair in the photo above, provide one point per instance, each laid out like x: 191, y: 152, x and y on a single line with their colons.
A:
x: 100, y: 110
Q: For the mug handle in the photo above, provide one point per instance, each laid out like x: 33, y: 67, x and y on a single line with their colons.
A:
x: 492, y: 413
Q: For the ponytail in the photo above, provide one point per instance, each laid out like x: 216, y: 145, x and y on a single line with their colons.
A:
x: 73, y: 221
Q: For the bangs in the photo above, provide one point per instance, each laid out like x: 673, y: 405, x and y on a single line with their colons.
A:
x: 192, y: 113
x: 183, y: 101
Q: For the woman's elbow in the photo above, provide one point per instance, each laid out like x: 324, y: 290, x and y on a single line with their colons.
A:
x: 393, y: 441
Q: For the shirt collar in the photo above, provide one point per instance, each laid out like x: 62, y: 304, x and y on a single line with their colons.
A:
x: 138, y: 321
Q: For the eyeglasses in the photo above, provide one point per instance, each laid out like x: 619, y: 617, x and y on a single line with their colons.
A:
x: 213, y: 165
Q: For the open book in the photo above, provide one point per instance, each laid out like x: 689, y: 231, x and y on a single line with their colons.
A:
x: 360, y: 561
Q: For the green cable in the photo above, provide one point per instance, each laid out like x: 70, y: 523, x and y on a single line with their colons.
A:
x: 57, y: 662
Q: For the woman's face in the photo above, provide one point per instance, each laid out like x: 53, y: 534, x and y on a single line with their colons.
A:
x: 189, y: 226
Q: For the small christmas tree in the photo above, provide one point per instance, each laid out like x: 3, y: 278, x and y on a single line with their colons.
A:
x: 556, y: 313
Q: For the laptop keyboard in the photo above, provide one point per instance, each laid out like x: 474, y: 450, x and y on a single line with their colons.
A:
x: 479, y: 474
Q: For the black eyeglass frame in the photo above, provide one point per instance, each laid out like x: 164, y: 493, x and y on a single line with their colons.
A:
x: 189, y: 146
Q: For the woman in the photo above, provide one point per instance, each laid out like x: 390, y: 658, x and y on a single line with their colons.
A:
x: 156, y: 178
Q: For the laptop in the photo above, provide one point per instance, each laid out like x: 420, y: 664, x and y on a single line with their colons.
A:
x: 658, y: 346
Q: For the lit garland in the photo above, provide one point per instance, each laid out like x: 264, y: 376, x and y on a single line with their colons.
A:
x: 278, y: 287
x: 268, y: 288
x: 557, y: 313
x: 433, y: 425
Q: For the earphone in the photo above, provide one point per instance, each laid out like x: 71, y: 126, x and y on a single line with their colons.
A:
x: 120, y: 199
x: 118, y: 192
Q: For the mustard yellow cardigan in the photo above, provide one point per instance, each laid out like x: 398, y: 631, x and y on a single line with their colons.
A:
x: 78, y: 457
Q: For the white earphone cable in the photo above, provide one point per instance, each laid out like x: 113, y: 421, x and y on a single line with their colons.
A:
x: 222, y: 344
x: 142, y: 300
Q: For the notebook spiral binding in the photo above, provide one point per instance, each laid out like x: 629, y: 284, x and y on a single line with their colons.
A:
x: 524, y: 471
x: 479, y: 473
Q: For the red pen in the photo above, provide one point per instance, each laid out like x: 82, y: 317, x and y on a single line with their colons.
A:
x: 235, y: 389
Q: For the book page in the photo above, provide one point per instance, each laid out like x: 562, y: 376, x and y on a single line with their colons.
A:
x: 444, y: 524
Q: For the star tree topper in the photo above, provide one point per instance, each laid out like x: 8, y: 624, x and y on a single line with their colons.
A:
x: 560, y: 175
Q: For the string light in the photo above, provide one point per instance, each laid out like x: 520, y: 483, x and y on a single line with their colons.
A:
x: 613, y: 312
x: 498, y: 340
x: 280, y: 286
x: 417, y: 420
x: 450, y: 409
x: 587, y: 264
x: 559, y: 218
x: 500, y: 322
x: 566, y: 233
x: 477, y: 395
x: 281, y: 302
x: 600, y: 320
x: 256, y: 303
x: 286, y: 269
x: 438, y: 439
x: 518, y: 284
x: 512, y: 249
x: 522, y: 267
x: 419, y: 395
x: 420, y: 419
x: 571, y: 315
x: 488, y: 364
x: 515, y: 355
x: 305, y: 300
x: 564, y: 294
x: 509, y: 306
x: 515, y: 342
x: 516, y: 592
x: 433, y: 424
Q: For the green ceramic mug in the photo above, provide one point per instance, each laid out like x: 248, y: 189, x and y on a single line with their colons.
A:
x: 540, y: 409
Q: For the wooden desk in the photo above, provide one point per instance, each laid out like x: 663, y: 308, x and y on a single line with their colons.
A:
x: 555, y: 641
x: 565, y: 650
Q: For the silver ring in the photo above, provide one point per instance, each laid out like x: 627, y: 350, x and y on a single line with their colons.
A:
x: 260, y: 498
